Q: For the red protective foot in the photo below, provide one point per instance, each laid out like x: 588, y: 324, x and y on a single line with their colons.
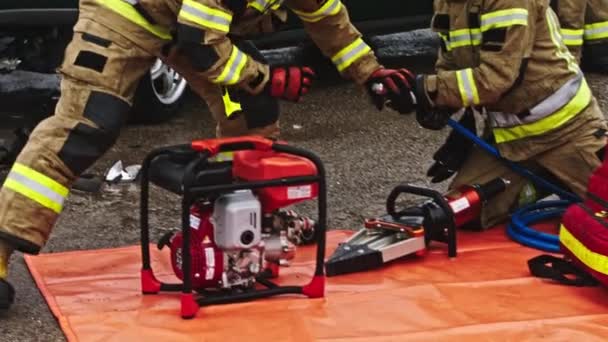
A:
x: 149, y: 284
x: 274, y: 269
x: 189, y: 305
x: 421, y: 252
x: 316, y: 288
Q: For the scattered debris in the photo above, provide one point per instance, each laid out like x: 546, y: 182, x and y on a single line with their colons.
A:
x: 119, y: 174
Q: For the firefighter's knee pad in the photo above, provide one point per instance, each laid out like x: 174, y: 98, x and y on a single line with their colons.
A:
x: 190, y: 42
x: 85, y: 143
x: 259, y: 110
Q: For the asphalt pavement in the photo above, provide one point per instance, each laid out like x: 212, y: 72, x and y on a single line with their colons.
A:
x: 366, y: 153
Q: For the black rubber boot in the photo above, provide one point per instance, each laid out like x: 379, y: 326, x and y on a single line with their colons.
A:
x: 595, y: 58
x: 7, y: 294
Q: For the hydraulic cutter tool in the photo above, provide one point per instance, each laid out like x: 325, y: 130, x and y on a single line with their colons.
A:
x: 411, y: 230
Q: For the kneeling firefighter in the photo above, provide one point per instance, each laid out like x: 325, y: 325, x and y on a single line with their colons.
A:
x: 117, y: 41
x: 584, y: 27
x: 507, y: 59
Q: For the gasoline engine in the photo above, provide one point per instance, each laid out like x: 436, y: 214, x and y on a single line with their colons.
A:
x: 235, y: 231
x: 234, y: 240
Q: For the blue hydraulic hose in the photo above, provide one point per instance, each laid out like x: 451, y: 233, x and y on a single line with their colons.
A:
x: 513, y: 166
x: 518, y: 229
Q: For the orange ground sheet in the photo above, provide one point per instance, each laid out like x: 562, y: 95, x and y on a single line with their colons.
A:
x: 485, y: 294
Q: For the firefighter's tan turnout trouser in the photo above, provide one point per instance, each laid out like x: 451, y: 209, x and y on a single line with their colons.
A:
x: 583, y: 22
x: 570, y: 155
x: 113, y: 47
x: 100, y: 72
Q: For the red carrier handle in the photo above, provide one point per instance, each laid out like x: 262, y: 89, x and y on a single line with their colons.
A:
x: 215, y: 146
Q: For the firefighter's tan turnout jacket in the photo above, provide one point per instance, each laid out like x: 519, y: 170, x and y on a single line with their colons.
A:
x: 506, y: 56
x: 582, y: 22
x: 213, y: 23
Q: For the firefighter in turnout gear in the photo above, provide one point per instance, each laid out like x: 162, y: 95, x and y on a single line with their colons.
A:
x: 116, y: 42
x: 584, y: 28
x: 506, y: 59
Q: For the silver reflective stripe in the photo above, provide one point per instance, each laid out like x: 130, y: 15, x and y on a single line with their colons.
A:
x: 460, y: 38
x: 131, y: 2
x: 503, y: 18
x: 321, y: 15
x: 232, y: 74
x: 568, y: 36
x: 205, y: 16
x: 470, y: 38
x: 468, y: 87
x: 594, y: 32
x: 262, y: 3
x: 548, y: 106
x: 265, y: 4
x: 37, y: 187
x: 344, y: 59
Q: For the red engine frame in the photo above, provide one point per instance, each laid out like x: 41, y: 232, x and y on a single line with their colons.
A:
x: 262, y: 167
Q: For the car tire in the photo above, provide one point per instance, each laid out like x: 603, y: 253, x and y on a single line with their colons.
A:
x: 159, y: 95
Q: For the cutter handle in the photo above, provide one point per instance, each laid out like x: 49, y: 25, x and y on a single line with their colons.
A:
x: 450, y: 236
x: 409, y: 189
x: 215, y: 146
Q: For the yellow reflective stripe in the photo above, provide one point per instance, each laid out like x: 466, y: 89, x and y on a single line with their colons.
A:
x: 258, y: 5
x: 230, y: 106
x: 595, y: 261
x: 127, y: 11
x: 473, y: 36
x: 504, y: 18
x: 263, y: 5
x: 41, y: 178
x: 205, y: 16
x: 464, y: 37
x: 37, y: 187
x: 467, y: 87
x: 350, y: 54
x: 596, y: 31
x: 331, y: 7
x: 445, y: 39
x: 578, y: 103
x: 206, y: 9
x: 561, y: 50
x: 33, y: 195
x: 460, y: 38
x: 572, y: 37
x: 233, y: 68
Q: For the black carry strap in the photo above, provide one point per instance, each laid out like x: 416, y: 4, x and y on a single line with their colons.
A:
x: 558, y: 269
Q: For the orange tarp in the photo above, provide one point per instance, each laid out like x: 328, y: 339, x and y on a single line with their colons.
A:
x: 486, y: 294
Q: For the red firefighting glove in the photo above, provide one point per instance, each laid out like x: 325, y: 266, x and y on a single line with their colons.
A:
x: 290, y: 83
x: 392, y: 87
